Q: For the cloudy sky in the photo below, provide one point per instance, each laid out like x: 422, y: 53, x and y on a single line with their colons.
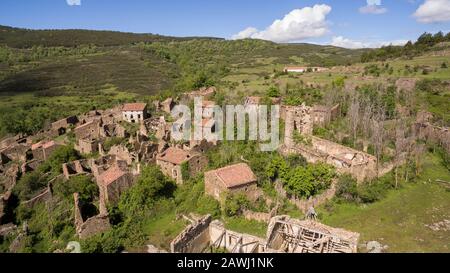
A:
x: 346, y: 23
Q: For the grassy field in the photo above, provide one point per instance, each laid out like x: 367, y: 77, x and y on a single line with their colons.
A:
x: 402, y: 220
x: 163, y: 229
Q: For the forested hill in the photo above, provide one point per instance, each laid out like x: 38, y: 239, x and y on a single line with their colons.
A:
x: 26, y: 38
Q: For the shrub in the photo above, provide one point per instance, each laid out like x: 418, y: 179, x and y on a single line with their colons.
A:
x: 273, y: 92
x: 235, y: 203
x: 347, y: 188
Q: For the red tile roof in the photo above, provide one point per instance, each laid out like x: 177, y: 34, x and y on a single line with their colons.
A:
x: 174, y: 155
x: 134, y: 107
x: 111, y: 175
x: 236, y: 175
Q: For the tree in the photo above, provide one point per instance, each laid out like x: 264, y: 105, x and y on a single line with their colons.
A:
x: 347, y: 188
x: 378, y: 134
x: 354, y: 116
x: 151, y: 186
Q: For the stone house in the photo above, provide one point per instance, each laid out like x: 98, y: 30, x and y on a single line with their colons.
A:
x: 87, y: 146
x: 134, y: 112
x: 113, y: 182
x: 171, y: 162
x: 303, y: 69
x: 90, y: 129
x: 238, y: 178
x: 43, y: 149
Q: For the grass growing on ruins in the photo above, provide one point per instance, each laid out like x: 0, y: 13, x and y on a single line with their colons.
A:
x: 162, y: 229
x: 242, y: 225
x: 403, y: 219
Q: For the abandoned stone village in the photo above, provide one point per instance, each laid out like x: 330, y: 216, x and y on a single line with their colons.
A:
x: 115, y: 170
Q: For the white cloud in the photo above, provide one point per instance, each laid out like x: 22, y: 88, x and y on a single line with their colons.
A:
x: 348, y: 43
x: 433, y: 11
x: 73, y: 2
x: 373, y: 7
x: 297, y: 25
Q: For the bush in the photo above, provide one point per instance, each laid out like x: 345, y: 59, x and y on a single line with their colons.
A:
x: 273, y: 92
x: 347, y: 188
x: 235, y: 203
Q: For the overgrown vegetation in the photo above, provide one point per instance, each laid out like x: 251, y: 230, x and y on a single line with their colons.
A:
x: 425, y: 42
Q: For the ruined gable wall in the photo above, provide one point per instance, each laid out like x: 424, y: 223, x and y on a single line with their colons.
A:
x: 116, y: 188
x: 171, y: 170
x: 213, y: 186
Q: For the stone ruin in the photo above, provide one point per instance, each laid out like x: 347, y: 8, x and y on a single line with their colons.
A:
x: 425, y: 130
x: 347, y: 160
x: 298, y: 118
x: 78, y: 167
x: 88, y: 226
x: 284, y: 235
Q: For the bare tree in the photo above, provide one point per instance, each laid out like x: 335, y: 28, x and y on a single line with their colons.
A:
x: 378, y: 134
x: 401, y: 142
x: 354, y: 116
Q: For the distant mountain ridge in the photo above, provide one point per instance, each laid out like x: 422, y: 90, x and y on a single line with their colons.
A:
x: 25, y: 38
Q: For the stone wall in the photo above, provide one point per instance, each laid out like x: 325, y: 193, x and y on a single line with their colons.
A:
x: 64, y: 123
x: 44, y: 196
x: 194, y: 238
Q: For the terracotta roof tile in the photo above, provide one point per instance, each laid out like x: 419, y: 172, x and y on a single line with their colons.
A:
x: 134, y: 107
x: 175, y: 156
x: 111, y: 175
x: 236, y: 175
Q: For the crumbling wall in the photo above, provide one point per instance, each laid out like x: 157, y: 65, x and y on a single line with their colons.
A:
x: 298, y: 119
x: 436, y: 134
x: 16, y: 152
x: 44, y: 196
x: 76, y: 168
x: 194, y: 238
x: 64, y: 123
x: 122, y: 153
x: 94, y: 225
x: 89, y: 130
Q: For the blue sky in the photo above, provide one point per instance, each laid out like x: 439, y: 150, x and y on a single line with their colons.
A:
x: 350, y: 23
